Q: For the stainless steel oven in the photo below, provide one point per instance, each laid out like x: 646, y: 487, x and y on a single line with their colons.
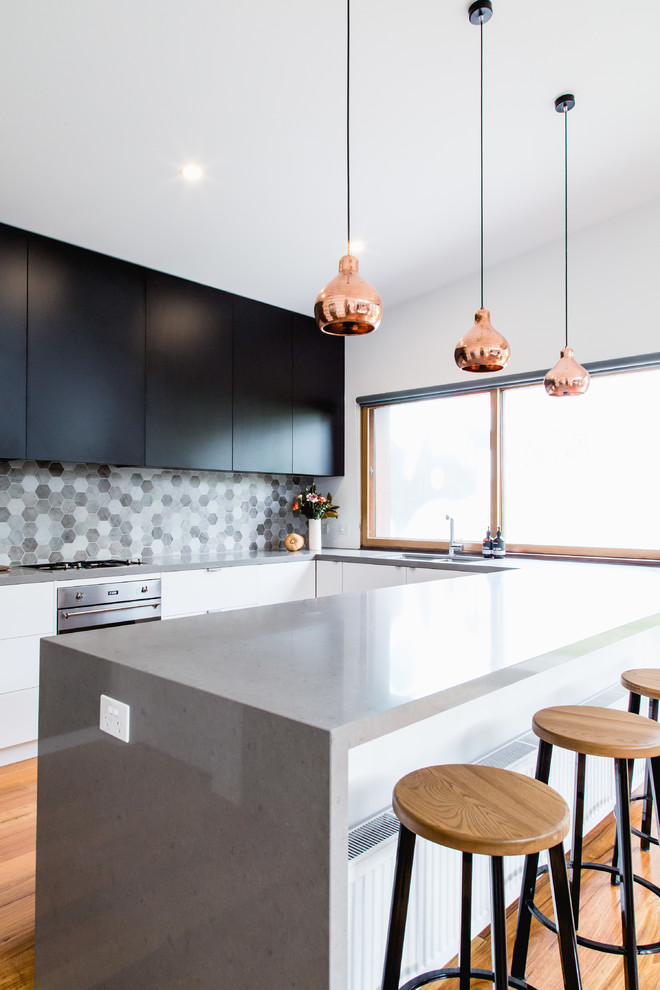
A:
x: 119, y: 603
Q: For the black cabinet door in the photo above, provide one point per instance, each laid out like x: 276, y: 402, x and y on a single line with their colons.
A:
x: 13, y: 337
x: 262, y: 387
x: 85, y: 356
x: 318, y: 399
x: 189, y: 375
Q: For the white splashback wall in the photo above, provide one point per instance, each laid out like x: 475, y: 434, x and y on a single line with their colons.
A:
x: 612, y: 301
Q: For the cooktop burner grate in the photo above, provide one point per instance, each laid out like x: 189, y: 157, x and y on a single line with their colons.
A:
x: 84, y: 565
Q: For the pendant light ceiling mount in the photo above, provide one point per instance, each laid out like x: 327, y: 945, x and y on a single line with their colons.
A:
x: 482, y: 348
x: 348, y: 306
x: 564, y: 103
x: 567, y: 377
x: 480, y: 12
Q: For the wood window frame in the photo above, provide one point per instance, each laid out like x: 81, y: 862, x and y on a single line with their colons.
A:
x: 368, y: 539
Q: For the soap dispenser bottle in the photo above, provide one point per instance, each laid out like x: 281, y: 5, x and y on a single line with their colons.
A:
x: 499, y: 546
x: 487, y: 545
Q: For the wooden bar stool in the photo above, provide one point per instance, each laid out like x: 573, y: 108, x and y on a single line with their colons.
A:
x: 497, y: 813
x: 644, y: 682
x: 622, y: 736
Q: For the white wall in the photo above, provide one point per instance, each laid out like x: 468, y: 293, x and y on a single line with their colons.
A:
x: 613, y: 284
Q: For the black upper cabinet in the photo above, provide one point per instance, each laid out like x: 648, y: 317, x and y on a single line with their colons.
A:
x: 189, y: 375
x: 13, y: 310
x: 318, y: 399
x: 129, y: 366
x: 85, y: 356
x: 262, y: 388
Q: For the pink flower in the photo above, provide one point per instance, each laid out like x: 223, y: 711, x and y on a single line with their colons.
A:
x: 314, y: 498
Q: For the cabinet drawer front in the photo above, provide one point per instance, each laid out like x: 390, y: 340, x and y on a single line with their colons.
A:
x: 365, y: 577
x: 415, y: 575
x: 194, y: 592
x: 19, y: 713
x: 27, y: 610
x: 286, y: 582
x: 328, y: 578
x: 19, y: 663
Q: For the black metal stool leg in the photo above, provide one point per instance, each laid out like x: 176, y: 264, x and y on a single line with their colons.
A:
x: 570, y: 963
x: 634, y: 704
x: 654, y: 780
x: 647, y: 814
x: 498, y: 924
x: 523, y: 925
x: 631, y: 980
x: 465, y: 958
x: 578, y: 828
x: 647, y: 811
x: 399, y: 912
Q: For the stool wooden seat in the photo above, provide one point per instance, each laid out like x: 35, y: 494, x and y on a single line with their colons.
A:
x: 598, y: 731
x: 479, y: 810
x: 642, y: 680
x: 623, y: 737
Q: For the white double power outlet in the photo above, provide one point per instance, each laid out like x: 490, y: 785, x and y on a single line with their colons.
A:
x: 115, y: 718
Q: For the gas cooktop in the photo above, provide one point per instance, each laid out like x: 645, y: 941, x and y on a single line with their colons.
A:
x: 83, y: 565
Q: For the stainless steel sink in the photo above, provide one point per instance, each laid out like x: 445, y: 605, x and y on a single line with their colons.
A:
x: 443, y: 558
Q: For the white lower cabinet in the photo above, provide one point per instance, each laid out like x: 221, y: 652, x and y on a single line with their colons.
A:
x: 210, y: 589
x: 216, y: 589
x: 19, y: 664
x: 366, y: 577
x: 334, y: 577
x: 27, y: 612
x: 329, y: 578
x: 19, y: 722
x: 290, y: 582
x: 414, y: 575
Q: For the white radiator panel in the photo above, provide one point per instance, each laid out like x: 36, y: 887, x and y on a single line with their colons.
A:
x: 433, y: 926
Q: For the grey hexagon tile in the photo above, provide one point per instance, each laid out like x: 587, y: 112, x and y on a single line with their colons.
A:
x: 50, y: 510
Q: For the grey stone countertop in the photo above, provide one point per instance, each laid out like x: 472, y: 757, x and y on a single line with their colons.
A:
x: 365, y: 664
x: 27, y: 575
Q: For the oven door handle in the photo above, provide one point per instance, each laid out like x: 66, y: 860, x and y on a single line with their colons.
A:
x: 115, y: 608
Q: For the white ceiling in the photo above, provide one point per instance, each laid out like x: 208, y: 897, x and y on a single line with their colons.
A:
x: 104, y: 100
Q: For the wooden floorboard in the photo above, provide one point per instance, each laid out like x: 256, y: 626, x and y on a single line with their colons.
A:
x: 18, y: 821
x: 599, y: 918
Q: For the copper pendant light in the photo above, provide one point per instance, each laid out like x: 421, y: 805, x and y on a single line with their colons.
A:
x: 482, y: 348
x: 567, y: 377
x: 348, y: 306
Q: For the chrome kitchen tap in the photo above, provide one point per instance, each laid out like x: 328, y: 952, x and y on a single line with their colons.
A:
x: 453, y: 546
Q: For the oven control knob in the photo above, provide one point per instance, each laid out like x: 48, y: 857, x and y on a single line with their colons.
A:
x: 145, y: 589
x: 79, y: 596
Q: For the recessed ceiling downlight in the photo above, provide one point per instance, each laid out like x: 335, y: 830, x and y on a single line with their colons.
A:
x: 191, y: 172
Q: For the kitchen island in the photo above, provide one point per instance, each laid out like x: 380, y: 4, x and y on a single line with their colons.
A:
x: 210, y: 851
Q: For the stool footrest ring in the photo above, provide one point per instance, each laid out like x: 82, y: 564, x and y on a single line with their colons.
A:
x: 589, y: 943
x: 454, y: 973
x: 645, y: 835
x: 614, y: 871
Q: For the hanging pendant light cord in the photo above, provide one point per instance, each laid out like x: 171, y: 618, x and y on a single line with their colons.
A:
x: 348, y: 128
x: 566, y: 225
x: 481, y: 124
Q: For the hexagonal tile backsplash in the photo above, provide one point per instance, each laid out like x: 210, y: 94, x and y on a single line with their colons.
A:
x: 52, y: 511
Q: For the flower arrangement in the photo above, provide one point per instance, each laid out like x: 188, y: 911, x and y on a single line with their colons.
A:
x: 314, y: 506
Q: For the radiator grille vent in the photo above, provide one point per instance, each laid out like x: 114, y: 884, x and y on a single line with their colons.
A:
x: 611, y: 696
x: 509, y: 755
x: 368, y: 835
